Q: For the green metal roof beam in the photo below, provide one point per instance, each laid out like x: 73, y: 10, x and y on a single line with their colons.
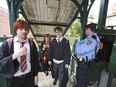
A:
x: 12, y: 15
x: 83, y: 8
x: 78, y: 6
x: 42, y: 35
x: 24, y: 15
x: 75, y: 16
x: 111, y: 16
x: 102, y: 13
x: 73, y: 19
x: 13, y: 6
x: 84, y: 11
x: 107, y: 32
x: 48, y: 23
x: 18, y: 5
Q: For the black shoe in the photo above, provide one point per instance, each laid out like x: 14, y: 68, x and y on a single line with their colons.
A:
x: 54, y: 82
x: 47, y: 73
x: 90, y: 83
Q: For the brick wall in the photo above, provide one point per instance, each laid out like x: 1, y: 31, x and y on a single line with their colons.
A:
x: 4, y: 23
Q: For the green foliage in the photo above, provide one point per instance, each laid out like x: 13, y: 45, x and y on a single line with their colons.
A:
x: 75, y: 29
x: 90, y: 19
x: 71, y: 39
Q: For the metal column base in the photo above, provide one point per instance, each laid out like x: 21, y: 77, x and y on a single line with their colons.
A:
x: 104, y: 78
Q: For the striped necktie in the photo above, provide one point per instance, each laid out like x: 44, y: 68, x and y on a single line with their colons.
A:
x: 23, y: 63
x: 58, y: 40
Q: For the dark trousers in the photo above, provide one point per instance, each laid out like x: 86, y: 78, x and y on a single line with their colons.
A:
x: 65, y: 78
x: 45, y: 67
x: 26, y: 81
x: 82, y: 75
x: 60, y: 73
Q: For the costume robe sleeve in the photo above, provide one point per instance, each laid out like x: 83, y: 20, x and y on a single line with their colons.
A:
x: 50, y: 53
x: 34, y: 60
x: 6, y: 61
x: 67, y: 53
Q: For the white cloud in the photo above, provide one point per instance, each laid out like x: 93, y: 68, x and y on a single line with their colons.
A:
x: 95, y: 10
x: 3, y: 4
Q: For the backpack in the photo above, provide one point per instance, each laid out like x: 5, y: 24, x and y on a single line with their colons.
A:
x: 9, y: 41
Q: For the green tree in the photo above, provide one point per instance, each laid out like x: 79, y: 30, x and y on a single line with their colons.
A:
x: 90, y: 18
x: 75, y: 28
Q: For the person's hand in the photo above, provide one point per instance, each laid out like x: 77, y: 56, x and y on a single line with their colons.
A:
x: 49, y: 62
x: 22, y: 51
x: 48, y: 45
x: 36, y: 80
x: 44, y: 47
x: 66, y: 66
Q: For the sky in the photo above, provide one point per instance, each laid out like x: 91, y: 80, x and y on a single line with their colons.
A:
x: 3, y: 4
x: 96, y: 6
x: 95, y: 10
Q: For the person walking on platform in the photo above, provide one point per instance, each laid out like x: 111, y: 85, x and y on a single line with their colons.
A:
x: 86, y: 52
x: 59, y: 52
x: 18, y: 58
x: 45, y: 45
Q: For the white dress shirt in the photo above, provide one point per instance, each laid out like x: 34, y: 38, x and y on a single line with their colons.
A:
x: 58, y: 61
x: 16, y: 48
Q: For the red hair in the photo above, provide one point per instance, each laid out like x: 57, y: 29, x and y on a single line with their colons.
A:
x: 20, y: 24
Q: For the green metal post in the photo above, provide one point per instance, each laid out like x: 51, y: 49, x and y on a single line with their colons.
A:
x: 84, y: 17
x: 14, y: 6
x: 12, y: 14
x: 112, y: 63
x: 3, y: 81
x: 73, y: 62
x: 84, y: 11
x: 103, y: 14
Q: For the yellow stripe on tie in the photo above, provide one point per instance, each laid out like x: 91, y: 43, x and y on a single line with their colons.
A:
x: 80, y: 59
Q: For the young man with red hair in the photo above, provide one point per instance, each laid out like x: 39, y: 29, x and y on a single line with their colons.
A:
x: 18, y: 62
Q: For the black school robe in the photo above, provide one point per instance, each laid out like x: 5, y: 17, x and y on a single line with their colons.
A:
x: 8, y: 66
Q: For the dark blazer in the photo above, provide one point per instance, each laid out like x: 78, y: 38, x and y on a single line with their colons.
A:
x: 8, y: 67
x: 59, y: 51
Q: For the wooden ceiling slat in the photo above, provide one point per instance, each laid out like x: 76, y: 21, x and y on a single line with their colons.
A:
x: 42, y: 12
x: 44, y: 15
x: 38, y: 9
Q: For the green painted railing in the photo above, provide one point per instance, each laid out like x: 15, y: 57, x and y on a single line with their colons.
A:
x: 3, y: 81
x: 112, y: 63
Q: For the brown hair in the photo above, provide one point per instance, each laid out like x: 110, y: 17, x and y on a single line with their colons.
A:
x: 20, y: 24
x: 58, y: 28
x: 48, y: 36
x: 91, y: 26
